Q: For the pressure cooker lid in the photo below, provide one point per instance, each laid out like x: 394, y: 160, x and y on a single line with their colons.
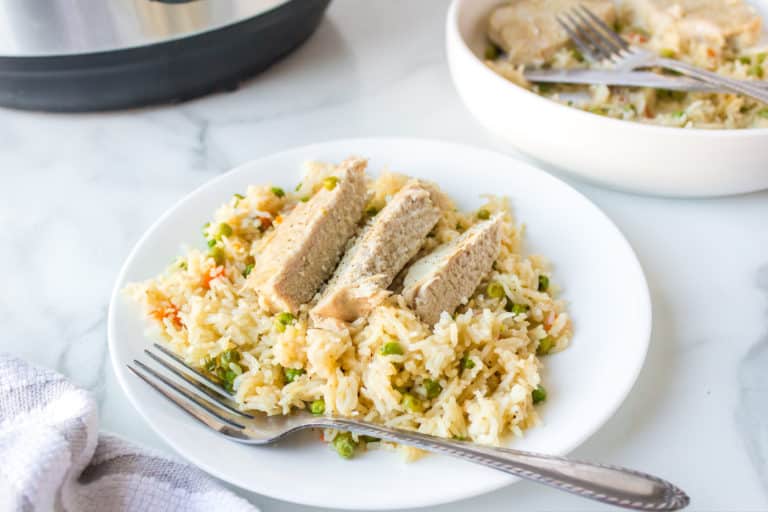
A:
x: 67, y: 27
x: 88, y: 55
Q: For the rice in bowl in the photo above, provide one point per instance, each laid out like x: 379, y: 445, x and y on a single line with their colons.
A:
x: 474, y: 375
x: 663, y: 27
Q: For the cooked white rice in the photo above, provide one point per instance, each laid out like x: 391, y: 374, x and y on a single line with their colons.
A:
x: 201, y: 309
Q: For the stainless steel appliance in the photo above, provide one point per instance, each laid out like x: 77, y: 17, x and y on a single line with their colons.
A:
x: 85, y: 55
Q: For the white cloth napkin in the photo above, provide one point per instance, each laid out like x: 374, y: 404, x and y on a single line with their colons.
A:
x: 52, y: 456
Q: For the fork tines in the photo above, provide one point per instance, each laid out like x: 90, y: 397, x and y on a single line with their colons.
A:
x: 596, y: 40
x: 199, y: 396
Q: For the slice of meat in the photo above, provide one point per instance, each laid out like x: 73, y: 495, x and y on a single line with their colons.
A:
x: 303, y: 251
x: 675, y: 23
x: 386, y: 245
x: 528, y: 32
x: 445, y: 278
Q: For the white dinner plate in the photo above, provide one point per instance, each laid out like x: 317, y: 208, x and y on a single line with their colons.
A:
x: 593, y: 263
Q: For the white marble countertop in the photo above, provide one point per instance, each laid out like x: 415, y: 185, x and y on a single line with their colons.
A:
x: 76, y: 191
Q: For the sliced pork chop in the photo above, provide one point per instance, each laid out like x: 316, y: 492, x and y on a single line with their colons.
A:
x: 528, y: 32
x: 386, y: 245
x: 446, y: 277
x: 714, y: 22
x: 303, y: 250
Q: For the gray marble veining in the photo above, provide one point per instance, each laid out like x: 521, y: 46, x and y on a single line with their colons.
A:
x: 752, y: 413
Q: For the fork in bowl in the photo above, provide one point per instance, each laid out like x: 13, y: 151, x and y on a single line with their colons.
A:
x: 215, y: 407
x: 600, y: 43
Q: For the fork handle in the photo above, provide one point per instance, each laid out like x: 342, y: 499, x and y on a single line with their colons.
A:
x: 614, y: 485
x: 738, y: 86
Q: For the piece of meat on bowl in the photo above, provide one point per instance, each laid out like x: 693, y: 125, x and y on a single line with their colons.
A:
x: 527, y: 30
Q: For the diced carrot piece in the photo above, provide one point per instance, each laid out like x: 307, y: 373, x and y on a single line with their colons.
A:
x: 549, y: 321
x: 213, y: 274
x: 171, y: 311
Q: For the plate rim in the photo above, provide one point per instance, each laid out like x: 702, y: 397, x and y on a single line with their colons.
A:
x: 118, y: 366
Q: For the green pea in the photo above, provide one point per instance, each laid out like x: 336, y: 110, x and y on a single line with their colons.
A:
x: 330, y: 182
x: 218, y: 254
x: 344, y: 444
x: 248, y: 269
x: 432, y: 387
x: 278, y: 191
x: 291, y: 374
x: 539, y: 394
x: 543, y: 283
x: 467, y: 363
x: 283, y: 319
x: 667, y: 53
x: 211, y: 242
x: 491, y: 52
x: 545, y: 345
x: 598, y: 109
x: 495, y: 290
x: 411, y: 403
x: 317, y: 407
x: 229, y: 379
x: 304, y: 199
x: 517, y: 309
x: 391, y: 348
x: 225, y: 229
x: 229, y: 356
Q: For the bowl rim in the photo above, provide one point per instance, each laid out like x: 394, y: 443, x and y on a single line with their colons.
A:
x: 452, y: 32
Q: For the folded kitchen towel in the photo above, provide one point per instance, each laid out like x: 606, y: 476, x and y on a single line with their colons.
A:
x: 53, y: 458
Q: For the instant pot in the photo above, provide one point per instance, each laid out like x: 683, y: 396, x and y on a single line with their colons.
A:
x: 86, y: 55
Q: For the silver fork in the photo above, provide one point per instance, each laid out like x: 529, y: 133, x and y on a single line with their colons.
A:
x: 210, y: 404
x: 599, y: 42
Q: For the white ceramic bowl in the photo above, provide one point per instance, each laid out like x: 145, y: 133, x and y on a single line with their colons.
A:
x: 621, y: 154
